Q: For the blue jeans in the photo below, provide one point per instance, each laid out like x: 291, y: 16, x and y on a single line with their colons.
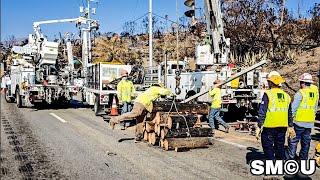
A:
x: 272, y: 140
x: 304, y: 136
x: 215, y: 115
x: 126, y: 107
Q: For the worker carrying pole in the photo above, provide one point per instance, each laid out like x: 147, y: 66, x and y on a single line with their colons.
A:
x: 304, y: 108
x: 125, y: 93
x: 142, y: 105
x: 275, y: 116
x: 214, y: 114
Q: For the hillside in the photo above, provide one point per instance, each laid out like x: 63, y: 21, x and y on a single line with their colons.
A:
x: 308, y: 61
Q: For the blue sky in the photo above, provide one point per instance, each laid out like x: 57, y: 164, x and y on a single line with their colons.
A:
x: 17, y: 16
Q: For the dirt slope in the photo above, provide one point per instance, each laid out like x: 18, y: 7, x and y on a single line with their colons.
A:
x: 306, y: 62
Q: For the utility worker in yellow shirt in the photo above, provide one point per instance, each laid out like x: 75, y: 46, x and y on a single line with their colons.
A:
x: 125, y: 93
x: 214, y: 114
x: 142, y: 105
x: 275, y: 117
x: 304, y: 109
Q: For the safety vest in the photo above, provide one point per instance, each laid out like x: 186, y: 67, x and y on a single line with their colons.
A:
x: 278, y: 107
x: 315, y: 89
x: 146, y: 98
x: 215, y: 93
x: 125, y: 90
x: 306, y: 110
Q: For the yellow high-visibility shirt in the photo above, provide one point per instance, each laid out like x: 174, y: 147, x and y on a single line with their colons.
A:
x: 278, y: 107
x: 125, y: 91
x: 146, y: 98
x: 306, y: 110
x: 215, y: 93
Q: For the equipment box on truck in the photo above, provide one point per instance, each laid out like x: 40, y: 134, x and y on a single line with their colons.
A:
x: 98, y: 91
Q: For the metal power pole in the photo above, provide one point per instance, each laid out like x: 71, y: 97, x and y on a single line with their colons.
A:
x: 89, y: 34
x: 150, y: 34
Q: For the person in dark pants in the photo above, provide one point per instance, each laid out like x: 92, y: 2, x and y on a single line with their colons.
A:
x: 274, y: 118
x: 304, y: 108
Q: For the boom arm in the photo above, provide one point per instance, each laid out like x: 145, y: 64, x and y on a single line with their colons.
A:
x: 36, y: 25
x: 220, y: 45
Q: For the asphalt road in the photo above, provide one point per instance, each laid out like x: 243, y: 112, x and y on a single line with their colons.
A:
x: 72, y: 143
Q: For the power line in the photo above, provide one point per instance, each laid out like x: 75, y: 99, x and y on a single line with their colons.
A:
x: 175, y: 22
x: 137, y: 19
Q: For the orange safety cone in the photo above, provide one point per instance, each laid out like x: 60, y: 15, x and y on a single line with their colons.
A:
x: 114, y: 108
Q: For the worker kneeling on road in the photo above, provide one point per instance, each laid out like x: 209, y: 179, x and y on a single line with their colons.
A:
x: 214, y: 114
x: 275, y: 116
x: 304, y: 108
x: 126, y: 93
x: 142, y: 105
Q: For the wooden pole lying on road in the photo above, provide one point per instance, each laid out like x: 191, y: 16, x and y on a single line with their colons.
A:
x: 192, y: 142
x: 261, y: 63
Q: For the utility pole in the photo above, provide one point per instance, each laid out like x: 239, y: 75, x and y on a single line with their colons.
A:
x: 150, y: 34
x: 177, y: 33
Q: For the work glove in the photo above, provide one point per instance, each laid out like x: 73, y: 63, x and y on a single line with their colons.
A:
x: 258, y: 133
x: 291, y: 133
x: 317, y: 161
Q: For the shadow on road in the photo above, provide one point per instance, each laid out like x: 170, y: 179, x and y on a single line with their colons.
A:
x: 254, y: 154
x: 73, y: 104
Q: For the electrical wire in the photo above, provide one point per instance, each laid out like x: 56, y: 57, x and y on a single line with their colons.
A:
x: 140, y: 17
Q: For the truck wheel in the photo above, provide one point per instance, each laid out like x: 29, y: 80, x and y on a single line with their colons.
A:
x: 7, y: 97
x: 97, y: 106
x: 83, y: 97
x: 18, y: 99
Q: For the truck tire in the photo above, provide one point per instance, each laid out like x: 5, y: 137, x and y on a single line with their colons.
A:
x: 83, y: 97
x: 8, y: 99
x: 97, y: 106
x: 18, y: 99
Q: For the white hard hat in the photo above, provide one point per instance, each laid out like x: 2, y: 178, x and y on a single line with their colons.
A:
x: 124, y: 72
x: 273, y: 73
x: 306, y: 77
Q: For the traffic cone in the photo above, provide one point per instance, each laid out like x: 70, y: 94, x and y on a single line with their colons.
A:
x: 114, y: 108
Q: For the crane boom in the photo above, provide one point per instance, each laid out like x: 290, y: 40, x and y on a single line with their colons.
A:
x: 36, y: 25
x: 220, y: 45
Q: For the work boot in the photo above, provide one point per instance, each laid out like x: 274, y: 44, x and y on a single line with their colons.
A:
x: 123, y: 126
x: 138, y: 138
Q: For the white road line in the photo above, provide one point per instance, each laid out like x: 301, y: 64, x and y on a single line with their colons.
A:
x: 59, y: 118
x: 232, y: 143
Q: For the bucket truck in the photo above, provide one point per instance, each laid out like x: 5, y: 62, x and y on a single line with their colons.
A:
x: 36, y: 78
x: 240, y: 96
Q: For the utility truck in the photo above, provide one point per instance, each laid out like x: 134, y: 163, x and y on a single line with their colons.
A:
x: 36, y: 77
x: 240, y: 96
x: 99, y: 90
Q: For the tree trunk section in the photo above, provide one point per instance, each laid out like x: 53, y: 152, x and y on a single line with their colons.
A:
x: 145, y: 135
x: 149, y: 127
x: 194, y: 142
x: 184, y: 132
x: 163, y: 133
x: 152, y: 138
x: 182, y: 107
